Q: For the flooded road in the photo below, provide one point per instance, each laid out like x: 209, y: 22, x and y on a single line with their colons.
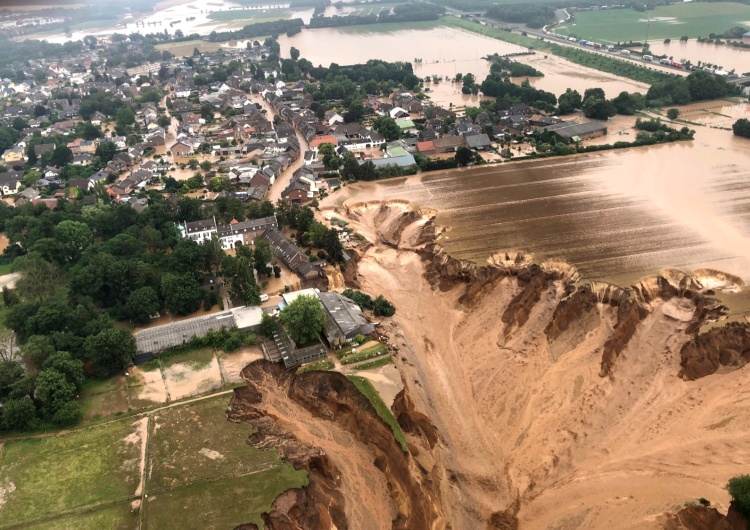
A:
x: 617, y: 216
x: 725, y: 56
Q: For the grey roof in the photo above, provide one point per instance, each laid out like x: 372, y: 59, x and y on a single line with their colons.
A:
x: 477, y: 140
x: 160, y: 338
x: 251, y: 225
x: 568, y: 130
x: 402, y: 161
x: 200, y: 226
x: 346, y: 317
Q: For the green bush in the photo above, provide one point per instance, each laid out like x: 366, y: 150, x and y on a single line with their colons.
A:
x: 739, y: 489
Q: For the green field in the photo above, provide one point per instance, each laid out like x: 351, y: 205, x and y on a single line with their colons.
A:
x: 374, y: 364
x: 185, y: 48
x: 694, y: 19
x: 254, y: 15
x: 365, y: 386
x: 221, y: 504
x: 46, y: 476
x: 363, y: 355
x: 201, y: 473
x: 101, y: 398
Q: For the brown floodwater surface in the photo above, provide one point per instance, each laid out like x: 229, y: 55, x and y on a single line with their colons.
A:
x: 727, y: 57
x: 617, y: 216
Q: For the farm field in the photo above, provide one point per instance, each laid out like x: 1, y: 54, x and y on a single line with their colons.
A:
x: 185, y: 49
x: 693, y: 19
x: 255, y: 15
x: 97, y: 477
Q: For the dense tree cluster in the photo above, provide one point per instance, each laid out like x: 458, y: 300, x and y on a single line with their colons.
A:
x: 379, y: 306
x: 698, y: 86
x: 413, y: 12
x: 509, y: 93
x: 741, y: 128
x: 533, y: 15
x: 507, y: 67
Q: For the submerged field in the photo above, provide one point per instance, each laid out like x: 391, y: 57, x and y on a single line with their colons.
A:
x: 97, y: 477
x: 694, y: 19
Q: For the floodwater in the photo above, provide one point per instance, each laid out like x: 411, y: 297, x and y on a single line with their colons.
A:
x: 617, y: 216
x: 728, y: 57
x: 445, y: 52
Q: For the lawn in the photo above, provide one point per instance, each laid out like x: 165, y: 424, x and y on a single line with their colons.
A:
x: 365, y: 386
x: 5, y: 268
x: 256, y: 15
x: 220, y: 504
x: 46, y: 476
x: 375, y: 364
x: 104, y: 397
x: 196, y: 359
x: 319, y: 366
x: 197, y: 442
x: 185, y: 48
x: 117, y: 516
x: 369, y: 353
x: 694, y: 19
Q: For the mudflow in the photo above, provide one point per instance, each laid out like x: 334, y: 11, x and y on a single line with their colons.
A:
x: 532, y: 400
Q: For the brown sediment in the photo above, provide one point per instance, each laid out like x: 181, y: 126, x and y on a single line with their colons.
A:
x: 705, y: 518
x: 528, y: 406
x: 727, y: 347
x: 327, y: 426
x: 531, y: 400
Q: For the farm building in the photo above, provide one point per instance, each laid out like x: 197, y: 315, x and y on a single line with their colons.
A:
x: 161, y: 338
x: 574, y: 132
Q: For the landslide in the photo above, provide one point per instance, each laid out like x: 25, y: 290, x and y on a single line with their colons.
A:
x: 553, y: 403
x: 358, y: 473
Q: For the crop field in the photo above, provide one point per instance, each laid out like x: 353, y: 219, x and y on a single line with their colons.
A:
x: 694, y: 19
x: 195, y: 471
x: 254, y: 15
x: 185, y: 48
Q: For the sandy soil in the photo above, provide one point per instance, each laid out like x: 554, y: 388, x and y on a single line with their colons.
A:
x: 183, y: 379
x: 140, y: 437
x: 522, y: 419
x: 386, y: 380
x: 233, y: 363
x: 148, y: 385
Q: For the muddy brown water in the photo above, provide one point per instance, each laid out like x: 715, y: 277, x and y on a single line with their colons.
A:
x: 617, y: 216
x: 727, y: 57
x: 445, y: 52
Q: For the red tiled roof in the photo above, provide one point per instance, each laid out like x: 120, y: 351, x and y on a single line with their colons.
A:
x: 429, y: 145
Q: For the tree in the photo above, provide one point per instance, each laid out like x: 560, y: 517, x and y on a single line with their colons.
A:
x: 267, y: 325
x: 388, y: 127
x: 595, y: 93
x: 326, y: 149
x: 262, y: 256
x: 382, y: 307
x: 31, y: 154
x: 294, y: 53
x: 739, y: 489
x: 141, y: 304
x: 10, y: 373
x: 72, y: 237
x: 71, y: 368
x: 598, y: 109
x: 569, y: 101
x: 105, y: 151
x: 303, y: 319
x: 181, y: 293
x: 673, y: 114
x: 124, y: 118
x: 242, y: 286
x: 741, y: 128
x: 18, y: 413
x: 628, y: 104
x: 61, y: 155
x: 53, y: 391
x: 111, y: 350
x: 332, y: 245
x: 464, y: 156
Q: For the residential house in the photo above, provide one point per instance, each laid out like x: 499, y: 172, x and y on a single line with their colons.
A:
x: 10, y: 182
x: 14, y: 155
x: 284, y: 249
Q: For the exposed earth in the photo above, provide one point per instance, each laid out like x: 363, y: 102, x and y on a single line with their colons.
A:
x: 531, y: 399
